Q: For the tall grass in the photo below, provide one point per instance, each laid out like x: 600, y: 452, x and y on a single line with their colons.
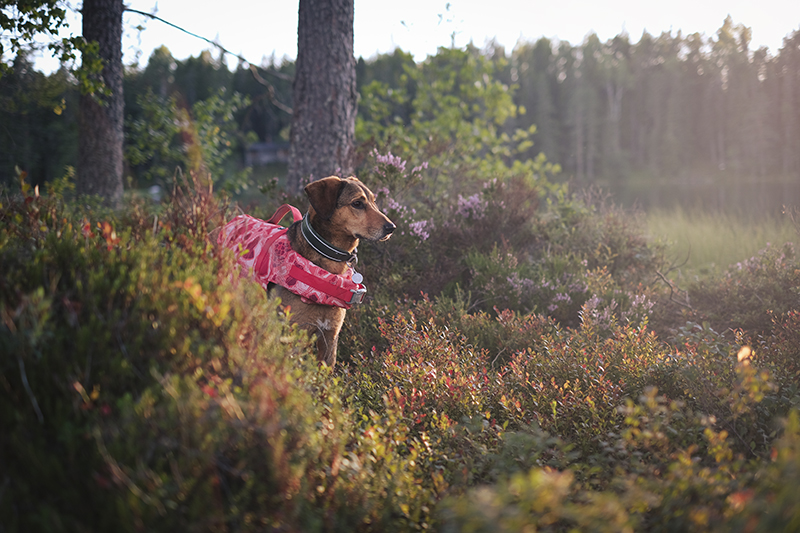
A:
x: 709, y: 242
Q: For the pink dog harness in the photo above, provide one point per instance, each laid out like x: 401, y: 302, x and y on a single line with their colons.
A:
x: 263, y: 248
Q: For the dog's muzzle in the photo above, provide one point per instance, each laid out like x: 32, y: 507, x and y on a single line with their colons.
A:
x: 388, y: 229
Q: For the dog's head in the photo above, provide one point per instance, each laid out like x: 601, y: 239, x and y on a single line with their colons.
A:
x: 346, y: 208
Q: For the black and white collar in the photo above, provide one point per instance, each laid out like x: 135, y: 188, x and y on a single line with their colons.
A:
x: 323, y: 247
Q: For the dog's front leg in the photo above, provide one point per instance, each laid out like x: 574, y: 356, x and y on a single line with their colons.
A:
x: 328, y: 327
x: 327, y: 343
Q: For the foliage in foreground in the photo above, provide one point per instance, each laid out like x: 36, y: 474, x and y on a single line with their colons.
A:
x: 145, y: 387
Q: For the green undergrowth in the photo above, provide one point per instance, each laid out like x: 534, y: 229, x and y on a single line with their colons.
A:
x: 145, y: 387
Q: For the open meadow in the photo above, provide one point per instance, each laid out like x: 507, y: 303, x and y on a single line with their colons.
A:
x: 705, y: 242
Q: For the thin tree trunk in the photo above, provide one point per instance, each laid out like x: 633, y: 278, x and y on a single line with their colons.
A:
x: 788, y: 116
x: 324, y: 92
x: 100, y: 119
x: 614, y: 95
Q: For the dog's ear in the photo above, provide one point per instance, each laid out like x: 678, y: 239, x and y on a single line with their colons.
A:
x: 324, y: 194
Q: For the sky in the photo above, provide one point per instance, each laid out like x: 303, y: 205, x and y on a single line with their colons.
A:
x: 262, y: 29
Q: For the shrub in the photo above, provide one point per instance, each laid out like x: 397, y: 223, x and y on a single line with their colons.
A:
x: 539, y: 500
x: 771, y: 504
x: 782, y: 346
x: 199, y: 140
x: 688, y: 489
x: 496, y: 247
x: 168, y: 394
x: 474, y: 219
x: 147, y: 388
x: 750, y: 292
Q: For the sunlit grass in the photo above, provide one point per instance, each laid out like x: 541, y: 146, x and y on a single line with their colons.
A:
x: 709, y: 242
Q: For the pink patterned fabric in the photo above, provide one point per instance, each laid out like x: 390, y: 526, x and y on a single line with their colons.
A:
x: 263, y: 249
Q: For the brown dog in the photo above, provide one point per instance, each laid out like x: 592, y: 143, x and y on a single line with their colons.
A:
x: 341, y: 213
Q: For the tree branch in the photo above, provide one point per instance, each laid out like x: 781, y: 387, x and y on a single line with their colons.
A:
x: 672, y: 290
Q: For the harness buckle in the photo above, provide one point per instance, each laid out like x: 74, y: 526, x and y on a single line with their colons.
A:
x: 358, y: 295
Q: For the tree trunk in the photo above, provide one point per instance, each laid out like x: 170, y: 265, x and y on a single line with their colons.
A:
x: 788, y: 115
x: 324, y: 93
x: 101, y: 117
x: 614, y: 94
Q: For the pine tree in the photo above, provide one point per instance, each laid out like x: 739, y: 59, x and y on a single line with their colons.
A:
x: 324, y: 92
x: 101, y: 117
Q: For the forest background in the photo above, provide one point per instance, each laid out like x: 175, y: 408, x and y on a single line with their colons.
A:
x: 670, y: 119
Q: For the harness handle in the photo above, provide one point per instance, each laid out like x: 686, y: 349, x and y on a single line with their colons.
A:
x: 282, y: 211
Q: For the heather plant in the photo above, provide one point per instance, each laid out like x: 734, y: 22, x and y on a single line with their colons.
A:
x: 748, y: 293
x: 475, y: 218
x: 497, y: 247
x: 168, y: 393
x: 505, y: 250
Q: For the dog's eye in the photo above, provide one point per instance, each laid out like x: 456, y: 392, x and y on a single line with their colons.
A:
x: 358, y: 204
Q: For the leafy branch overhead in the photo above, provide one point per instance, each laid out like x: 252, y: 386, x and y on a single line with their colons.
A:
x: 23, y: 22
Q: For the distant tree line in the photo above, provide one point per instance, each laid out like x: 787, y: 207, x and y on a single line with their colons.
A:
x: 664, y: 106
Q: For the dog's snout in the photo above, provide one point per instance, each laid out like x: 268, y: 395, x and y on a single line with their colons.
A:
x: 389, y: 228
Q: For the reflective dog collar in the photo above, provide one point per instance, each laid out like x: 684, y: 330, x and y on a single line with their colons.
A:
x: 323, y: 247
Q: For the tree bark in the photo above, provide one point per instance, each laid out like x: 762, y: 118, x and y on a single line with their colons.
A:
x: 100, y: 121
x: 324, y: 93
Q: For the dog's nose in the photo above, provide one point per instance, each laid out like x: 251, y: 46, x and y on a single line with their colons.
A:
x: 388, y: 228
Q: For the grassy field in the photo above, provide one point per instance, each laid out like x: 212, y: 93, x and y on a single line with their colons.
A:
x: 711, y: 241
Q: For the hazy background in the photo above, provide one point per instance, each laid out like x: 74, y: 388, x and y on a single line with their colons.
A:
x: 662, y: 104
x: 261, y: 29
